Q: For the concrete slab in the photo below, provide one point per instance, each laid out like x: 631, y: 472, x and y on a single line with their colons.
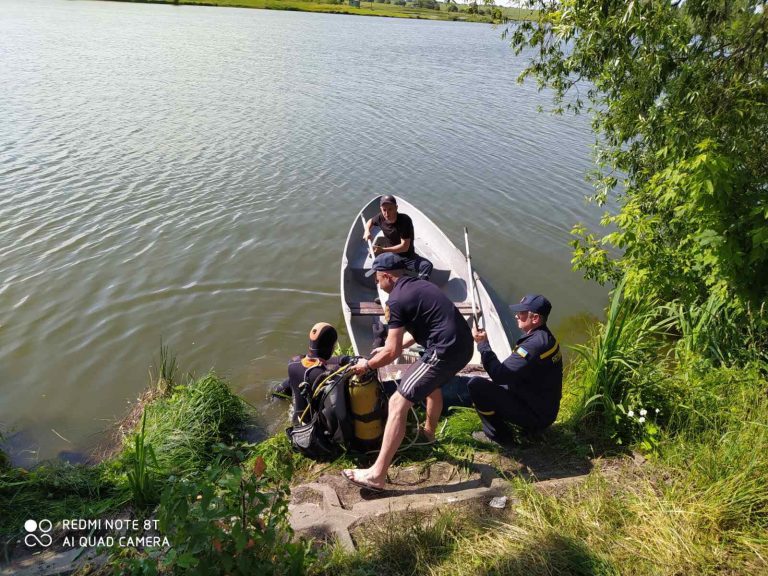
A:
x: 336, y: 506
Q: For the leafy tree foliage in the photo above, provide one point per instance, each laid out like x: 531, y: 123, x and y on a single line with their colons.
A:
x: 679, y: 97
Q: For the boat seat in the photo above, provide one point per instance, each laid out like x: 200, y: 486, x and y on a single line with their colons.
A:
x: 374, y: 309
x: 439, y: 276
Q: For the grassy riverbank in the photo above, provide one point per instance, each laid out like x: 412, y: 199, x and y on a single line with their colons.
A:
x: 385, y: 8
x: 647, y: 382
x: 174, y: 432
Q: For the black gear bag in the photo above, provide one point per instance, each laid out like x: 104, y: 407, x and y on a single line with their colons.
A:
x: 325, y: 428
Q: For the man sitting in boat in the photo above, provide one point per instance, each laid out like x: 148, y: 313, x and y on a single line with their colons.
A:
x: 398, y: 237
x: 525, y: 389
x: 322, y: 340
x: 420, y: 308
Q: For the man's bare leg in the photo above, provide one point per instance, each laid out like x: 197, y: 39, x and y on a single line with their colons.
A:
x: 394, y: 432
x: 434, y: 409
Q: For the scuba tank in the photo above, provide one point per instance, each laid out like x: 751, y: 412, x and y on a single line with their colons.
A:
x: 367, y: 408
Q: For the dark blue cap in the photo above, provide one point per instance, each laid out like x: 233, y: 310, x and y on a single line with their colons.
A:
x: 386, y: 262
x: 387, y: 199
x: 533, y: 303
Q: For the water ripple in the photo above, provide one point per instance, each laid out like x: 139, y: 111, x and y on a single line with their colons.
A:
x: 189, y: 174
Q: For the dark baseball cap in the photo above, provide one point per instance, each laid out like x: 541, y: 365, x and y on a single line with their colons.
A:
x: 386, y: 263
x: 533, y: 303
x: 387, y: 200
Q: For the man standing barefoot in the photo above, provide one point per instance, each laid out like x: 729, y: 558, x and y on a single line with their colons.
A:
x: 420, y: 308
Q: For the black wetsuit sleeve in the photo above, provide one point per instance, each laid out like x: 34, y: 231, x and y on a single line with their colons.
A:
x: 284, y: 388
x: 335, y: 362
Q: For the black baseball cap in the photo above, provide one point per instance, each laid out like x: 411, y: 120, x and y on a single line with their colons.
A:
x: 533, y: 303
x: 386, y: 263
x: 387, y: 200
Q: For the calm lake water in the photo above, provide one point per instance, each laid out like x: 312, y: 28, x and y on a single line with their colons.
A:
x: 190, y: 174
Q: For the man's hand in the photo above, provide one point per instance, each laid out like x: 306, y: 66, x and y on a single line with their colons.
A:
x: 361, y: 367
x: 367, y: 236
x: 479, y: 335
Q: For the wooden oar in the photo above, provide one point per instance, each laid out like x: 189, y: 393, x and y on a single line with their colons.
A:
x: 471, y: 279
x: 370, y: 244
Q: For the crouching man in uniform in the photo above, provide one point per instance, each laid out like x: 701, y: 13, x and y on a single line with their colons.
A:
x: 420, y: 308
x: 525, y: 389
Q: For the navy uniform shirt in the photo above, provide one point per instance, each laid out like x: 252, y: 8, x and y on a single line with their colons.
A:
x: 401, y: 229
x: 434, y: 322
x: 533, y: 372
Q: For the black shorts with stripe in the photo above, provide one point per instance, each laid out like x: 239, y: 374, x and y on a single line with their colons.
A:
x: 431, y: 372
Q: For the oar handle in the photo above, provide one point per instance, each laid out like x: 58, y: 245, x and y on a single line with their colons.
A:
x: 471, y: 278
x: 370, y: 244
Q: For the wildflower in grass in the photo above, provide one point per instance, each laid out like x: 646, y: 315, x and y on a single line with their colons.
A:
x: 631, y: 413
x: 641, y: 419
x: 657, y: 410
x: 643, y: 412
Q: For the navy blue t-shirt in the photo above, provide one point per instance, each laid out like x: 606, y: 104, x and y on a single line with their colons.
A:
x: 399, y: 230
x: 423, y: 310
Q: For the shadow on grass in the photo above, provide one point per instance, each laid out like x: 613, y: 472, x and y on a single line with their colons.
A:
x: 404, y: 544
x: 553, y: 554
x: 555, y: 453
x: 419, y: 543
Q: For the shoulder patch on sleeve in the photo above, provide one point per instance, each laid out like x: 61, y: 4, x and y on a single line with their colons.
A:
x: 522, y: 351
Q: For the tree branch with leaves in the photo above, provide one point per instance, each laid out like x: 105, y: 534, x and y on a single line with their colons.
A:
x: 678, y: 94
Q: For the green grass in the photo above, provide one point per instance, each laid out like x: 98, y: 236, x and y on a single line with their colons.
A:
x: 366, y: 9
x: 183, y: 427
x: 698, y: 506
x: 165, y: 371
x: 631, y: 335
x: 54, y: 491
x: 141, y: 475
x: 700, y: 509
x: 398, y: 544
